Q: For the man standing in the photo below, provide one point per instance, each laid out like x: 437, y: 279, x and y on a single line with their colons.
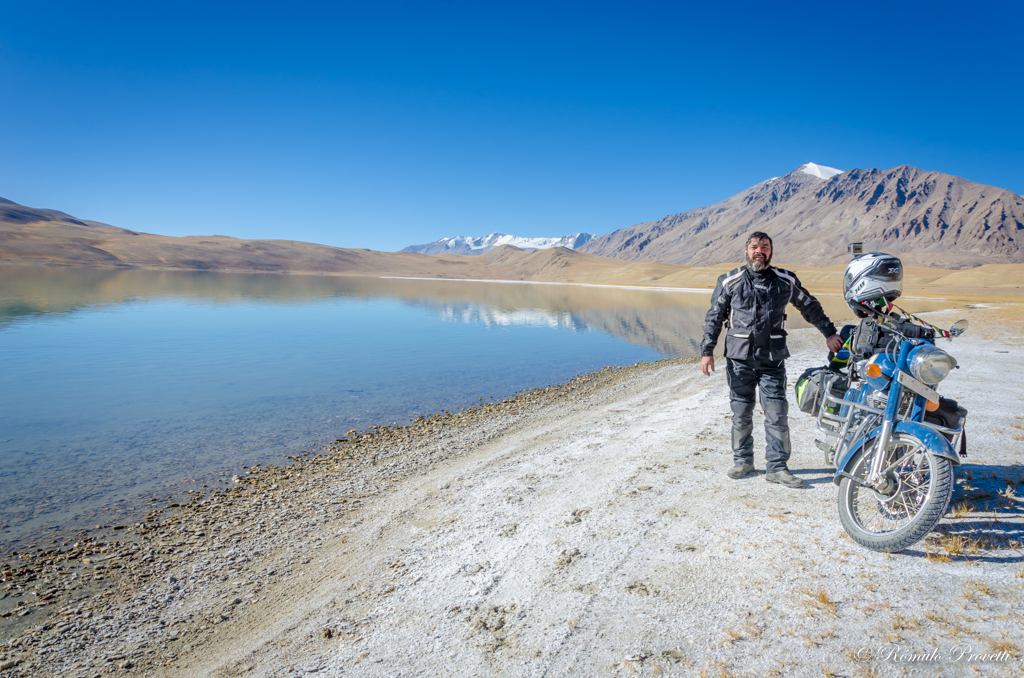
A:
x: 751, y: 301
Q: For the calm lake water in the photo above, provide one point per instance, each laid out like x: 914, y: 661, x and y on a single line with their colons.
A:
x: 120, y: 386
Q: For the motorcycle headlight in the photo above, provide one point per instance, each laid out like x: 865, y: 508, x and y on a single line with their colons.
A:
x: 930, y: 364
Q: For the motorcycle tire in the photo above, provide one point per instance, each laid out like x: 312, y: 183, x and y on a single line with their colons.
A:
x: 894, y: 522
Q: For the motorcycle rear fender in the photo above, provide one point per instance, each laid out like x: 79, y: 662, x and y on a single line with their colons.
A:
x: 934, y: 441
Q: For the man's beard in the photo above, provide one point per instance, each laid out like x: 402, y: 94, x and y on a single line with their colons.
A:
x: 758, y: 264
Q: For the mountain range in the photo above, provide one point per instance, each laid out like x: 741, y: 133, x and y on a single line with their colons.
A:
x: 929, y: 219
x: 926, y: 218
x: 464, y: 245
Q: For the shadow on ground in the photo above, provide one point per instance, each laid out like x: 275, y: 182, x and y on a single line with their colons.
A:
x: 985, y: 521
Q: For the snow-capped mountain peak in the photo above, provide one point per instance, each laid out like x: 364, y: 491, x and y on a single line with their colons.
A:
x: 820, y: 171
x: 472, y: 245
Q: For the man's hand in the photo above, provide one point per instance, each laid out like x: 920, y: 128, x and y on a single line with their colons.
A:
x: 834, y: 343
x: 708, y: 363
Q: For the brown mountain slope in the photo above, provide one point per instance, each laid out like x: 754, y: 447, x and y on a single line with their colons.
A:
x: 68, y: 242
x: 37, y: 237
x: 926, y: 218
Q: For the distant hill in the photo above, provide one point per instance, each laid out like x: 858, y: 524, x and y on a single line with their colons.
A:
x: 464, y: 245
x: 50, y: 238
x: 40, y: 237
x: 13, y: 214
x: 927, y: 218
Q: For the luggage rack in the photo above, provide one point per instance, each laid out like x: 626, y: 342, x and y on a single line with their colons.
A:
x: 837, y: 426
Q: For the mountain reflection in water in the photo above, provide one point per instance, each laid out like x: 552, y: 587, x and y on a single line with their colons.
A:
x: 670, y: 322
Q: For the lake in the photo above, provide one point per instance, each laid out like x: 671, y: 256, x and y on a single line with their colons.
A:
x: 118, y: 387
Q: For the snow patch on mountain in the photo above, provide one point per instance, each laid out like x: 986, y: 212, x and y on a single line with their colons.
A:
x: 527, y: 317
x: 479, y: 245
x: 820, y: 171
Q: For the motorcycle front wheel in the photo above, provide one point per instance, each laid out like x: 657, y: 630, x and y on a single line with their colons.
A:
x: 916, y: 494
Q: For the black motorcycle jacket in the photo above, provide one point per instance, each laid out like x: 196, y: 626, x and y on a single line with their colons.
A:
x: 752, y: 305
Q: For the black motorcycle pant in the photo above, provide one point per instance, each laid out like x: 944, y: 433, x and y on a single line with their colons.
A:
x: 745, y: 377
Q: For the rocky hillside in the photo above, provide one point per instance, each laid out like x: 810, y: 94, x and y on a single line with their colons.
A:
x: 927, y: 218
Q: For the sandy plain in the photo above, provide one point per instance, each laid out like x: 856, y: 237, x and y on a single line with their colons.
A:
x: 582, y: 529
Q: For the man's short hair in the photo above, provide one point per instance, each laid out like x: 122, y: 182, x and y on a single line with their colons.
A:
x: 759, y: 236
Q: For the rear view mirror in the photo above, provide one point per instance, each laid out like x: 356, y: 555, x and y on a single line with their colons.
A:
x: 958, y: 328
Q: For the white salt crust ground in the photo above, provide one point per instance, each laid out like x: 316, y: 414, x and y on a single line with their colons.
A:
x: 598, y: 535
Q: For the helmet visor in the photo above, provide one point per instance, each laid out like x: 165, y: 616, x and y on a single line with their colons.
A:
x: 888, y: 271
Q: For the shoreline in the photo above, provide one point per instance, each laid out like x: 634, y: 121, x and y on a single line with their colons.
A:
x: 646, y: 288
x: 118, y: 544
x: 91, y: 491
x: 563, y: 531
x: 923, y: 284
x: 625, y: 286
x: 979, y: 283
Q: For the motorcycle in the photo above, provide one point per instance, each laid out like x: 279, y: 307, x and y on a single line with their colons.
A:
x: 890, y: 436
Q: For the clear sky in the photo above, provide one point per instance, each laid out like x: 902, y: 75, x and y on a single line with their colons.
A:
x: 386, y: 124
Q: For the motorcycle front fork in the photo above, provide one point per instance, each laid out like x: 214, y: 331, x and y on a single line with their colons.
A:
x: 881, y: 445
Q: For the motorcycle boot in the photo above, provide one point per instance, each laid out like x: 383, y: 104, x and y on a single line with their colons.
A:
x: 740, y: 470
x: 784, y: 477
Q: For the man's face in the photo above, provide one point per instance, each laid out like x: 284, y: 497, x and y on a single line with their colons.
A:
x: 759, y: 254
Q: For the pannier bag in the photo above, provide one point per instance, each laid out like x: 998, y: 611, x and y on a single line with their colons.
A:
x: 813, y: 383
x: 950, y: 415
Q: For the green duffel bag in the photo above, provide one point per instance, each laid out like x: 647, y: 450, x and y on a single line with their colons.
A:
x: 813, y: 383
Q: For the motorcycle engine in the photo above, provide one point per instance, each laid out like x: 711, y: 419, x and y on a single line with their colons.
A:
x: 880, y: 400
x: 877, y: 400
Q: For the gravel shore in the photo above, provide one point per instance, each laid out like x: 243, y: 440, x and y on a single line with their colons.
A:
x: 583, y: 529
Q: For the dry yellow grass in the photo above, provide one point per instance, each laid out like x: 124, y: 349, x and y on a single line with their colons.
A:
x: 957, y: 630
x: 962, y: 509
x: 731, y: 636
x: 869, y: 671
x: 954, y: 544
x: 752, y: 630
x: 979, y: 544
x: 716, y: 670
x: 1002, y: 645
x: 819, y: 600
x: 978, y: 587
x: 901, y: 623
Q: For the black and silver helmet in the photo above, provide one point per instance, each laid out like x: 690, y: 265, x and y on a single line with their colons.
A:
x: 870, y: 278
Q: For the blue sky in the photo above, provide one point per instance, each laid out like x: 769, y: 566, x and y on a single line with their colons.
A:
x: 386, y: 124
